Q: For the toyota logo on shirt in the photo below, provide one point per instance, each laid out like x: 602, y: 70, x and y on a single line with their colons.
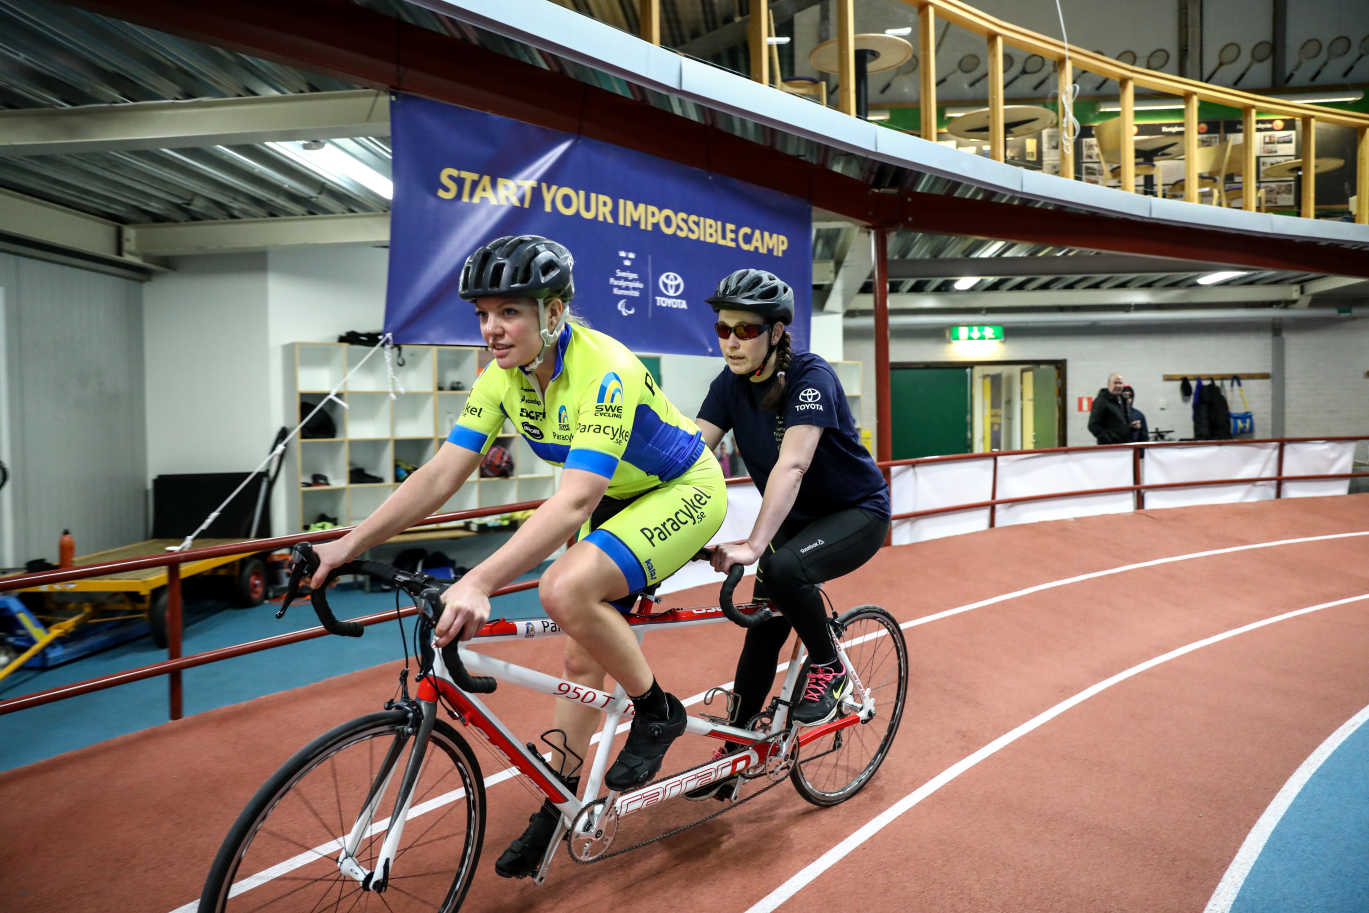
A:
x: 671, y: 284
x: 809, y: 398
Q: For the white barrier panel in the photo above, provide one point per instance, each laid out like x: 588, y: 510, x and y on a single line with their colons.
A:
x: 1311, y: 458
x: 743, y: 505
x: 1021, y: 475
x: 1204, y: 461
x: 928, y: 486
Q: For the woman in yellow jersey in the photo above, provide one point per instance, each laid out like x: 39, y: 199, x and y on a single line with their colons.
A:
x: 638, y: 485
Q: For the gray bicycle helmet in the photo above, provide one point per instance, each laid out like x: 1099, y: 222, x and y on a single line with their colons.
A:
x: 755, y: 290
x: 519, y: 266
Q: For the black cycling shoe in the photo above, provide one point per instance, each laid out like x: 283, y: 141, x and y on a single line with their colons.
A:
x: 647, y: 742
x: 524, y: 855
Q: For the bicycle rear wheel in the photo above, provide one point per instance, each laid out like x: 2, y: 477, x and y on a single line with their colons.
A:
x: 282, y: 852
x: 834, y: 768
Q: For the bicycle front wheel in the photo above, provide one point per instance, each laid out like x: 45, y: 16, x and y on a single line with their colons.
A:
x: 282, y: 853
x: 834, y: 768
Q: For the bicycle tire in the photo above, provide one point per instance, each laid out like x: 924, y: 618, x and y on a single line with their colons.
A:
x: 833, y: 769
x: 285, y: 841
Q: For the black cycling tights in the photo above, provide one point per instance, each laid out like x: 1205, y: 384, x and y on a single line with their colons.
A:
x: 801, y: 556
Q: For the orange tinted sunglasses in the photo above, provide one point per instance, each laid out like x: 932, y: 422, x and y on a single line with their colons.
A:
x: 743, y: 330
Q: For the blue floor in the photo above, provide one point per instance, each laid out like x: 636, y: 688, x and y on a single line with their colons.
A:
x: 43, y: 732
x: 1317, y: 857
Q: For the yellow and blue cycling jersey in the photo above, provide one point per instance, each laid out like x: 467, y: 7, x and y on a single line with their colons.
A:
x: 604, y: 413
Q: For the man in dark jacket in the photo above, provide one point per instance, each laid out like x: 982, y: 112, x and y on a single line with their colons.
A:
x: 1109, y: 419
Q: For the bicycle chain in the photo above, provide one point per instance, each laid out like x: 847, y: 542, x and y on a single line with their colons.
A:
x: 679, y: 830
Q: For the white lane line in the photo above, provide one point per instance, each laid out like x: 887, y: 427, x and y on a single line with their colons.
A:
x: 830, y: 858
x: 1122, y: 569
x: 1230, y: 885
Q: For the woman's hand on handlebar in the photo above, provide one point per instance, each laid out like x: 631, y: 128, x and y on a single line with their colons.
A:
x: 465, y: 609
x: 330, y: 555
x: 727, y: 554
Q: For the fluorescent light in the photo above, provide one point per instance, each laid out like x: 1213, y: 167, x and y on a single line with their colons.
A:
x: 966, y: 282
x: 1220, y: 276
x: 331, y: 162
x: 1313, y: 99
x: 777, y: 39
x: 1157, y: 105
x: 877, y: 115
x: 901, y: 32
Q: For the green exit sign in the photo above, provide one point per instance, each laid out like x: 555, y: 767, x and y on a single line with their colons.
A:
x: 976, y: 332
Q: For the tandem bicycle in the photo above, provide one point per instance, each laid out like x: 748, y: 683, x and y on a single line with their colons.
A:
x: 388, y: 811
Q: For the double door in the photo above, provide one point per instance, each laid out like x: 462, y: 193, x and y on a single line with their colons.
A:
x: 942, y: 409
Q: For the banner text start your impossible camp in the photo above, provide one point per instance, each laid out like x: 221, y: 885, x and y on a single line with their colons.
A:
x: 473, y: 187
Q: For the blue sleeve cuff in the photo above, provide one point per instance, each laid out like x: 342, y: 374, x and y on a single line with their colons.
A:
x: 469, y: 438
x: 592, y: 461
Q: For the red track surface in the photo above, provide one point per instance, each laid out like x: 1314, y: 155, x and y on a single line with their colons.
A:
x: 1136, y: 799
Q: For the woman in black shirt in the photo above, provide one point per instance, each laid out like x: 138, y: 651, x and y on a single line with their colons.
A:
x: 825, y: 504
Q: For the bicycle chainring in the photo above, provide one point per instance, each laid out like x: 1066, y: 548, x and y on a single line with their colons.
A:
x: 592, y: 832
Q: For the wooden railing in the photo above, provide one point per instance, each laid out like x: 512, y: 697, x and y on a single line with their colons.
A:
x: 999, y: 34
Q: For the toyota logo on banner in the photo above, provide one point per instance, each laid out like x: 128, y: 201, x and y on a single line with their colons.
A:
x: 671, y: 284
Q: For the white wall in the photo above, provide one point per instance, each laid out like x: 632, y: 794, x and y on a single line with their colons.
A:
x: 8, y: 555
x: 1327, y: 393
x: 72, y: 392
x: 208, y: 370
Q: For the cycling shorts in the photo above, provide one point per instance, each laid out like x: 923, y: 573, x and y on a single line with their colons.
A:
x: 652, y: 536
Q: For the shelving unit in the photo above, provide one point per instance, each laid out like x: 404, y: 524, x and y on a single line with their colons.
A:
x: 374, y: 431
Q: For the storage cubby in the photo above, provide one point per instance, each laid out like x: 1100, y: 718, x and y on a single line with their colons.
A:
x: 375, y: 430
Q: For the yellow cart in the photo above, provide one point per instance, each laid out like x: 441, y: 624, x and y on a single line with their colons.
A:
x: 112, y: 598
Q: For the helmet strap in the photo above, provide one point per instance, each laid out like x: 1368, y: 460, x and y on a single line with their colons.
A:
x: 549, y: 337
x: 769, y: 352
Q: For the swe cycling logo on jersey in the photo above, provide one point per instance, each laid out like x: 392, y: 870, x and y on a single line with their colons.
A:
x: 563, y: 418
x: 610, y: 400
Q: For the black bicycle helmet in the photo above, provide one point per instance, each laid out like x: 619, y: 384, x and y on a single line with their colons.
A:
x: 757, y: 291
x: 519, y: 266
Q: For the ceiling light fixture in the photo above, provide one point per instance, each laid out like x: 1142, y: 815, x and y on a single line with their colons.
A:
x: 1159, y: 104
x: 327, y: 160
x: 903, y: 32
x: 966, y: 282
x: 1220, y: 276
x: 778, y: 39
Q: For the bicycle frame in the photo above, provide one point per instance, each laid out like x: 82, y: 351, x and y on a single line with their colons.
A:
x: 759, y: 748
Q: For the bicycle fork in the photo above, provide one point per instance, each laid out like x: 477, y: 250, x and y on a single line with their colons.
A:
x: 424, y: 713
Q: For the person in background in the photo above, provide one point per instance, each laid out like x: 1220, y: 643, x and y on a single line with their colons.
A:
x: 825, y: 504
x: 1109, y: 422
x: 1140, y: 430
x: 630, y: 460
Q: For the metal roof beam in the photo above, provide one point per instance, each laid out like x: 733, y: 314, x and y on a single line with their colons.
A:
x: 1072, y: 265
x: 202, y: 122
x: 1121, y: 297
x: 240, y: 235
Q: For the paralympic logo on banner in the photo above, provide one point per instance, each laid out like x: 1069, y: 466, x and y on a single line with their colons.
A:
x: 650, y: 237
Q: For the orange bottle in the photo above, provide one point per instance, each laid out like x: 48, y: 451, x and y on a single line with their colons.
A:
x: 66, y: 549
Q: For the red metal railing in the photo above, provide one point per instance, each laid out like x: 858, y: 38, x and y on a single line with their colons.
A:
x: 172, y: 560
x: 1137, y: 486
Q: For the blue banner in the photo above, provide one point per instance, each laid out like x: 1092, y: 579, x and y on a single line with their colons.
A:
x: 651, y: 238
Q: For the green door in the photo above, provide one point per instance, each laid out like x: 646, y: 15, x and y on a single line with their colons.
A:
x: 930, y: 408
x: 1045, y: 407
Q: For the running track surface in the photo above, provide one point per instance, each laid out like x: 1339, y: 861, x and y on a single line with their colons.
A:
x: 1135, y: 795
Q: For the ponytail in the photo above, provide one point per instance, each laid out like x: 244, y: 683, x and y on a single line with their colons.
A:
x: 775, y: 396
